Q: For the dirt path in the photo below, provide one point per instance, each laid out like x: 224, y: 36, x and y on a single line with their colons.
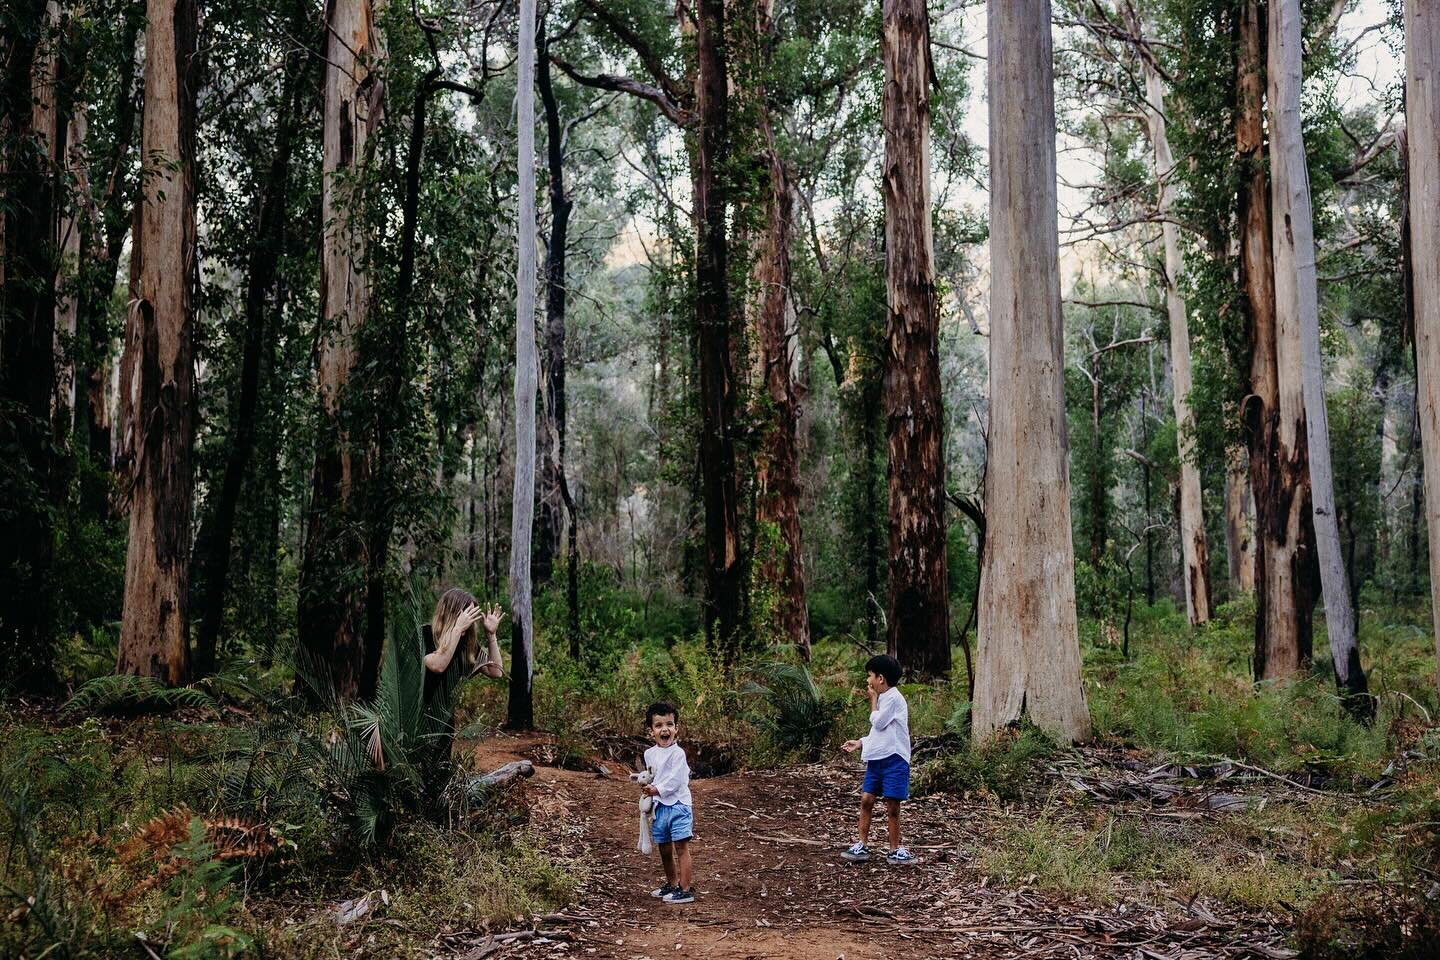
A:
x: 770, y: 883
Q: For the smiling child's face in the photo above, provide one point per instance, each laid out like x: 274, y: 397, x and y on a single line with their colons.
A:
x: 664, y: 729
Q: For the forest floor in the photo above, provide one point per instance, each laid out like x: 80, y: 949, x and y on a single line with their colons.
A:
x: 770, y: 883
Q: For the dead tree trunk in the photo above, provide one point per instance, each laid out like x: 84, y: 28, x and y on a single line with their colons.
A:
x: 521, y: 712
x: 1422, y: 111
x: 1192, y: 520
x: 331, y: 618
x: 157, y: 375
x: 1274, y: 412
x: 918, y: 609
x: 1029, y: 649
x: 1298, y: 326
x: 777, y: 469
x: 27, y: 369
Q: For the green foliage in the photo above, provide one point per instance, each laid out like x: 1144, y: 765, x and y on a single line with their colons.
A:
x: 1003, y: 767
x: 799, y: 715
x: 124, y: 692
x: 198, y: 901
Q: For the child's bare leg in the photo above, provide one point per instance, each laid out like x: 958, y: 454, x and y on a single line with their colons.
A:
x: 867, y: 807
x: 892, y: 810
x: 682, y: 864
x: 667, y: 859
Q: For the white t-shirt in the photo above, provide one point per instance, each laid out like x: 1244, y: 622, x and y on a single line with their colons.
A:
x: 672, y: 773
x: 889, y: 728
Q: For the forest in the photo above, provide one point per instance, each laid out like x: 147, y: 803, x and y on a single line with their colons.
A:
x: 1080, y: 355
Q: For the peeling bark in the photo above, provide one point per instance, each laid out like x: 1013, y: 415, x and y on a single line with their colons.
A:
x: 919, y: 609
x: 777, y: 467
x: 1298, y: 326
x: 157, y: 372
x: 1274, y: 411
x: 1029, y: 650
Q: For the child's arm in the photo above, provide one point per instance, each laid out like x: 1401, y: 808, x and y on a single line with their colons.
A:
x: 885, y: 713
x: 438, y: 661
x: 670, y: 776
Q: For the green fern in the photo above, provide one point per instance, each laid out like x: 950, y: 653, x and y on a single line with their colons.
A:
x: 110, y: 693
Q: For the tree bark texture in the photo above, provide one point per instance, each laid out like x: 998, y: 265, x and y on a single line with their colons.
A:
x: 157, y: 374
x: 724, y: 570
x: 332, y: 582
x: 1274, y: 410
x: 1298, y: 326
x: 521, y: 712
x: 27, y: 369
x: 1239, y: 523
x: 918, y: 609
x: 1194, y: 551
x: 1029, y: 649
x: 1422, y: 110
x: 777, y: 468
x: 551, y: 436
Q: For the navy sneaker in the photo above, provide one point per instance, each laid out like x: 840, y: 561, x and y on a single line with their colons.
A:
x: 680, y: 895
x: 901, y: 857
x: 663, y: 891
x: 859, y: 853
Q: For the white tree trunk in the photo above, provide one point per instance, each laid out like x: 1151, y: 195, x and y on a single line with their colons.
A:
x: 1422, y: 109
x: 522, y: 512
x: 1029, y: 651
x: 1194, y: 550
x: 1298, y: 318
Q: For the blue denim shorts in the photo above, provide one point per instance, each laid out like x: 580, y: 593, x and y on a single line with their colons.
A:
x: 673, y: 821
x: 888, y: 777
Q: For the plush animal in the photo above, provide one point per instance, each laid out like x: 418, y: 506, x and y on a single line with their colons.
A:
x: 646, y: 843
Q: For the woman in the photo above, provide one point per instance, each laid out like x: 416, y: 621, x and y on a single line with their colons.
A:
x: 452, y: 631
x: 452, y: 652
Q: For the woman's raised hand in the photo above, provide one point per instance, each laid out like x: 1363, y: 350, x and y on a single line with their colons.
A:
x: 492, y: 617
x: 467, y: 618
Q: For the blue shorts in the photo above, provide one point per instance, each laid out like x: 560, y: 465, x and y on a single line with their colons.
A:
x: 673, y: 821
x: 888, y: 777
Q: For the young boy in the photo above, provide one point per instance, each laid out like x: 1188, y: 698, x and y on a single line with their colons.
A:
x: 674, y: 820
x: 886, y: 752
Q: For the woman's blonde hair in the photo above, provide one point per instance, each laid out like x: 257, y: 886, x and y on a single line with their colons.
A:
x: 447, y: 611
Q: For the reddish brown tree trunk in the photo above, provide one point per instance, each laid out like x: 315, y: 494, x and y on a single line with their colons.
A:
x: 157, y: 375
x: 1274, y: 411
x: 919, y: 611
x: 777, y: 468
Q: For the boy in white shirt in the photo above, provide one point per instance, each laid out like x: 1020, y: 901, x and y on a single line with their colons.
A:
x: 886, y: 752
x: 670, y: 786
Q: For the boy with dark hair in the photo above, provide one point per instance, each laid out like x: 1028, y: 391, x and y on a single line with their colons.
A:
x: 886, y: 752
x: 670, y: 787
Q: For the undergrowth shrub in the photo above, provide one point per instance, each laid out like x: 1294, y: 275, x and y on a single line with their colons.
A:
x: 798, y: 715
x: 1003, y: 767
